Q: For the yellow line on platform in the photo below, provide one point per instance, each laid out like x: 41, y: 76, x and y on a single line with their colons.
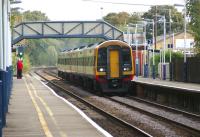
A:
x: 39, y: 112
x: 62, y: 134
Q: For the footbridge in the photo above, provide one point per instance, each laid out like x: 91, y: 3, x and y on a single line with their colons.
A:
x: 65, y: 29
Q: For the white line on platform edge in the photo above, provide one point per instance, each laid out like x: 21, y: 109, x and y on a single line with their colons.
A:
x: 104, y: 132
x: 164, y: 85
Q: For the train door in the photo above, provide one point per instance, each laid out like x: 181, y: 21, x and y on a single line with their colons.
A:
x: 114, y: 63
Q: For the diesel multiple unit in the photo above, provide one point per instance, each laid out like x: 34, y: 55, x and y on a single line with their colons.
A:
x: 106, y: 66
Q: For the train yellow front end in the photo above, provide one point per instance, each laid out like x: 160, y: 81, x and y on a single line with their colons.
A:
x: 113, y: 66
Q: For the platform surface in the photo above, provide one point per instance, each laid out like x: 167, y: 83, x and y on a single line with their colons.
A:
x: 35, y: 111
x: 190, y: 87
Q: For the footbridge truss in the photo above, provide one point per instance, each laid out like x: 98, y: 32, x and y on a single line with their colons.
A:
x: 65, y: 29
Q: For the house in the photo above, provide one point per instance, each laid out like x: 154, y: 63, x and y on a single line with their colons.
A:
x: 178, y: 41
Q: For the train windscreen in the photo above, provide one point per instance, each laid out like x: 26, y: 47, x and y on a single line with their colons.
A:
x: 126, y: 57
x: 102, y: 59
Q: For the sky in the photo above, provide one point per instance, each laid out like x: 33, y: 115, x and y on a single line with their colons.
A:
x: 68, y: 10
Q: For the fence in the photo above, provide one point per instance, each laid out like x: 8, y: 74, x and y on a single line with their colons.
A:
x: 192, y: 70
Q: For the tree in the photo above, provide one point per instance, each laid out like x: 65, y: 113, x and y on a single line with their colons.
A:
x: 112, y: 18
x: 121, y: 19
x: 176, y: 18
x: 34, y: 16
x: 193, y: 8
x: 134, y: 17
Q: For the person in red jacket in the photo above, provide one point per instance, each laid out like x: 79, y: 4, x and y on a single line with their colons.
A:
x: 19, y: 69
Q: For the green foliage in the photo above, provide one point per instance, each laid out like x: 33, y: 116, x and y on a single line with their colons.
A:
x: 34, y: 16
x: 193, y: 8
x: 43, y: 52
x: 14, y: 63
x: 26, y: 63
x: 174, y: 55
x: 15, y: 18
x: 177, y: 18
x: 121, y: 19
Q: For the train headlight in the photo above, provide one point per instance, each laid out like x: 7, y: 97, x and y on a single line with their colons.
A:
x: 101, y: 69
x: 127, y: 69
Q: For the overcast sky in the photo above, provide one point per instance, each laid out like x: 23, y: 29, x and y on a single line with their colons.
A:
x: 85, y: 10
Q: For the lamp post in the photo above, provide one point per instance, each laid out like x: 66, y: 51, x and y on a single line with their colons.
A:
x: 136, y: 46
x: 185, y: 28
x: 145, y: 51
x: 162, y: 61
x: 185, y: 37
x: 170, y: 43
x: 164, y: 65
x: 171, y: 46
x: 153, y: 42
x: 151, y: 21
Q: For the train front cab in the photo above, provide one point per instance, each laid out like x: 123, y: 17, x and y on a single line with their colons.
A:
x: 114, y: 68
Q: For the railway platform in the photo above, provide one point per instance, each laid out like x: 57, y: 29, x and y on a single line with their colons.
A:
x: 187, y: 87
x: 185, y: 96
x: 36, y: 111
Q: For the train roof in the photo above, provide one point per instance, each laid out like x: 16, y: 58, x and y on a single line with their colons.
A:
x: 94, y: 45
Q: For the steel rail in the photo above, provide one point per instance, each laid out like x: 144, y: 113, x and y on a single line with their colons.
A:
x: 152, y: 114
x: 188, y: 114
x: 155, y: 115
x: 101, y: 111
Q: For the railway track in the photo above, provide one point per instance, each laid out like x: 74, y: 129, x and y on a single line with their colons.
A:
x: 186, y: 127
x: 196, y: 131
x: 171, y: 109
x: 188, y: 114
x: 97, y: 109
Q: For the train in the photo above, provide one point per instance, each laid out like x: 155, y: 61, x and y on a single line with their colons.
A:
x: 106, y: 66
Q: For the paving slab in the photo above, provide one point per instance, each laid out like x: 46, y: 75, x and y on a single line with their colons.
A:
x: 35, y: 111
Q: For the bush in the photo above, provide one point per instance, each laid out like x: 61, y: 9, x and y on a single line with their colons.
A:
x: 174, y: 55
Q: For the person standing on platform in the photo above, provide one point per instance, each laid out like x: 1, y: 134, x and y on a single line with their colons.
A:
x: 19, y: 69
